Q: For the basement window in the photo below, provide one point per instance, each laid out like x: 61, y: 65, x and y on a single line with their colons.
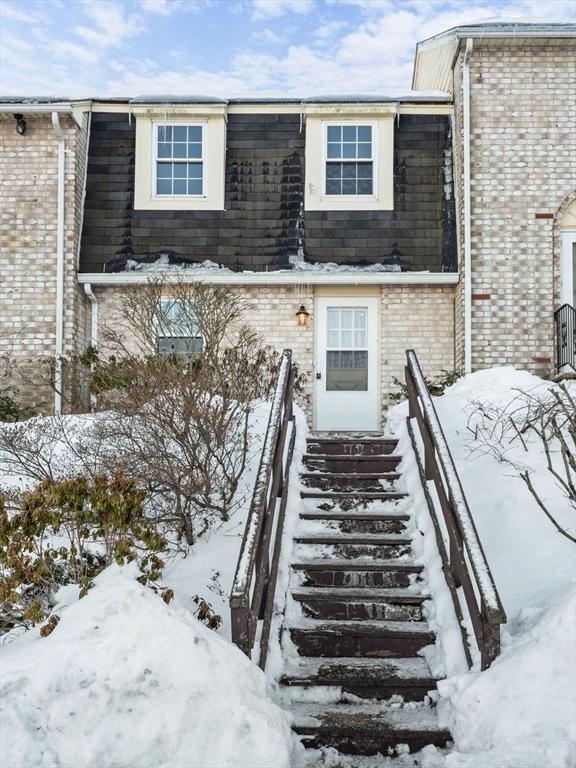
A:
x: 177, y: 330
x: 349, y: 159
x: 179, y: 162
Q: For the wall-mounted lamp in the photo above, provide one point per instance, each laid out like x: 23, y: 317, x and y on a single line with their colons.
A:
x: 302, y: 316
x: 20, y: 124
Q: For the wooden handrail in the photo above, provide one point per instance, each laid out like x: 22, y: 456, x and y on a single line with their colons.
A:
x: 463, y: 559
x: 251, y: 598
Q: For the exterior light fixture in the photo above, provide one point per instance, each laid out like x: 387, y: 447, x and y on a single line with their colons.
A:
x: 20, y: 124
x: 302, y: 316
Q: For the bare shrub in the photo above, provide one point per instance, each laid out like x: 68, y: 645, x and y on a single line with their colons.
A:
x: 549, y: 418
x: 180, y: 422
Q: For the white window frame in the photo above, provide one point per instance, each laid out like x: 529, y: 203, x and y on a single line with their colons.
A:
x: 178, y: 123
x: 374, y: 160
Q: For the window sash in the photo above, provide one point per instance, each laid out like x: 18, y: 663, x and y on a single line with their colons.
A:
x: 344, y: 143
x: 179, y: 160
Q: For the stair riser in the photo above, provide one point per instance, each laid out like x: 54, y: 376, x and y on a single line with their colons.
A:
x: 350, y: 466
x: 378, y: 692
x: 334, y: 609
x: 349, y: 448
x: 370, y: 743
x: 357, y: 579
x: 348, y: 484
x: 351, y: 551
x: 359, y: 646
x: 366, y: 526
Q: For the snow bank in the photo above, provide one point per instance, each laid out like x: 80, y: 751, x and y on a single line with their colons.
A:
x: 126, y: 680
x: 520, y: 713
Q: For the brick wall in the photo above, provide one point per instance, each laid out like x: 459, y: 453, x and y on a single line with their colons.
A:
x: 28, y: 232
x: 523, y: 153
x: 417, y: 317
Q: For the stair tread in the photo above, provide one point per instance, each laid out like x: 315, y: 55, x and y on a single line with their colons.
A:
x: 360, y: 494
x: 353, y: 538
x: 347, y: 440
x: 355, y: 594
x: 353, y: 457
x: 352, y: 475
x: 358, y: 564
x: 345, y: 627
x: 373, y: 718
x: 359, y: 669
x: 363, y: 516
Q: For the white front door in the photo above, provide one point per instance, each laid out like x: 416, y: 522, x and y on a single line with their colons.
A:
x: 346, y: 394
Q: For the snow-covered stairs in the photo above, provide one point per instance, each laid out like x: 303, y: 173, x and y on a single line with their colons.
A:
x: 354, y: 624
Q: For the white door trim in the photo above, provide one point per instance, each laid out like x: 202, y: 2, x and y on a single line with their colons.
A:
x: 567, y: 275
x: 373, y: 303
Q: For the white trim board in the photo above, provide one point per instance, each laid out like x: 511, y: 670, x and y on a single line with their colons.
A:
x: 273, y: 278
x: 567, y: 276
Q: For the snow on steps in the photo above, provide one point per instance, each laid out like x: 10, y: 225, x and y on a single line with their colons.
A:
x: 368, y: 729
x: 359, y: 595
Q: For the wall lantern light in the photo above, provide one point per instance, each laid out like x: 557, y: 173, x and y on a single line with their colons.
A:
x: 20, y: 124
x: 302, y: 316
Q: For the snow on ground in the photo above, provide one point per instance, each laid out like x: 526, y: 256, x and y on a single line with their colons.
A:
x: 520, y: 713
x: 127, y: 681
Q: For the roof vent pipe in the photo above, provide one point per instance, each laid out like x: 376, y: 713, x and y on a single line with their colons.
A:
x: 59, y: 346
x: 467, y: 211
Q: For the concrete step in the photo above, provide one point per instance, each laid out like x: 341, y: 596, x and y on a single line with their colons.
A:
x: 360, y: 638
x: 366, y: 678
x: 357, y: 522
x: 358, y: 573
x: 348, y: 482
x: 351, y: 446
x: 362, y: 729
x: 357, y: 603
x: 341, y: 463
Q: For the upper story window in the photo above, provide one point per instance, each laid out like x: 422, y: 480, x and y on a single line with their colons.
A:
x: 349, y: 159
x: 179, y: 159
x: 177, y: 331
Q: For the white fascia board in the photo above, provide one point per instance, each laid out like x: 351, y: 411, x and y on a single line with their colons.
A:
x: 28, y: 108
x: 274, y: 278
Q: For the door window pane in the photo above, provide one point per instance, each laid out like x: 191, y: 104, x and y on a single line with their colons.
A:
x: 346, y: 356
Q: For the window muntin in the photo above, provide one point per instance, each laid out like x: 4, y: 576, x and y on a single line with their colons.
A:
x: 177, y: 331
x: 349, y: 160
x: 179, y: 160
x: 347, y: 349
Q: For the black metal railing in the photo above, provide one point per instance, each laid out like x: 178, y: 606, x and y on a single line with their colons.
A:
x: 463, y: 558
x: 565, y: 319
x: 252, y: 597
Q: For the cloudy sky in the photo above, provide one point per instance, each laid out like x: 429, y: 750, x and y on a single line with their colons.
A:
x: 231, y: 47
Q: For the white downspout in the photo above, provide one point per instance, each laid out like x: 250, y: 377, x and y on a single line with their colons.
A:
x: 59, y: 348
x: 467, y: 213
x: 93, y: 324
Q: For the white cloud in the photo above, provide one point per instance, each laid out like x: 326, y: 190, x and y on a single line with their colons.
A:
x: 112, y: 24
x: 268, y: 9
x: 9, y: 12
x: 268, y: 36
x: 328, y: 29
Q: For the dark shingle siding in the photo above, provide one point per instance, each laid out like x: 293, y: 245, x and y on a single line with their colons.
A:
x: 263, y: 198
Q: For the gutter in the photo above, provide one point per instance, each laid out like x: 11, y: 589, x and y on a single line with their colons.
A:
x: 59, y: 346
x: 223, y: 277
x: 467, y: 211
